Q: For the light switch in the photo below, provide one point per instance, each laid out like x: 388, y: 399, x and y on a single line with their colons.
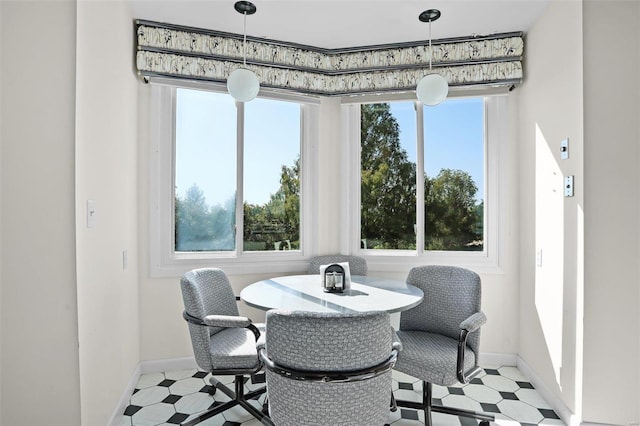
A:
x: 91, y: 213
x: 564, y: 149
x: 568, y: 186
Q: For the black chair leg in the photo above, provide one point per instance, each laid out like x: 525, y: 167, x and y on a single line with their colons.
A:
x: 429, y: 408
x: 427, y: 392
x: 238, y: 397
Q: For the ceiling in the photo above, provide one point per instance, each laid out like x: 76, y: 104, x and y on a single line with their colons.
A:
x: 347, y: 23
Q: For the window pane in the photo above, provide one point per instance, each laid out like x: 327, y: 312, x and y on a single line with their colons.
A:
x: 205, y: 175
x: 454, y: 175
x: 271, y: 175
x: 388, y: 176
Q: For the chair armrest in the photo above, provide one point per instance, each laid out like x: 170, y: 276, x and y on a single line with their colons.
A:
x: 223, y: 321
x: 474, y: 322
x: 261, y: 342
x: 469, y: 325
x: 396, y: 343
x: 226, y: 321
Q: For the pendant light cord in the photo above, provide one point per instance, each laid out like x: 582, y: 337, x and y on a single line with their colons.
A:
x: 430, y: 48
x: 244, y: 42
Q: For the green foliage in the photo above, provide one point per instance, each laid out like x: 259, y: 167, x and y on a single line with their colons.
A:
x: 276, y: 225
x: 451, y: 214
x: 201, y: 227
x: 388, y: 182
x: 388, y: 193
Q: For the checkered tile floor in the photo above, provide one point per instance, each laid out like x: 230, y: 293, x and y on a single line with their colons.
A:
x: 173, y: 397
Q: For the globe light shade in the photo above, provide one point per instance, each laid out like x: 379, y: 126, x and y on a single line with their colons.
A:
x: 432, y: 89
x: 243, y: 85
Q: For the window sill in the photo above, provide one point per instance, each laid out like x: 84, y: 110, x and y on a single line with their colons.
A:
x: 258, y: 263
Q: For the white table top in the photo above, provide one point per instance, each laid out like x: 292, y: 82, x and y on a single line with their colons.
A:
x: 305, y: 293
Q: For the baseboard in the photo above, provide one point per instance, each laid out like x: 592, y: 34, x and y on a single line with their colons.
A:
x: 147, y: 367
x: 172, y: 364
x: 491, y: 359
x: 567, y: 416
x: 123, y: 403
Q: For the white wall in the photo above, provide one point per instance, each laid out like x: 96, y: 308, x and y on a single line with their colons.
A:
x: 0, y: 214
x: 106, y: 172
x: 611, y: 289
x: 550, y: 110
x: 579, y: 310
x: 38, y: 264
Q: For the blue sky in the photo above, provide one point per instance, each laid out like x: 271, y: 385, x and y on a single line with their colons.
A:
x: 206, y: 148
x: 454, y: 133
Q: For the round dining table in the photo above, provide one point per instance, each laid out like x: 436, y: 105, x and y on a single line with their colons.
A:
x: 306, y: 293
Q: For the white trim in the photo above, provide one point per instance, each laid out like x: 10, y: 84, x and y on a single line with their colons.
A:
x: 125, y: 397
x: 239, y: 216
x: 486, y: 262
x: 309, y: 129
x: 169, y: 364
x: 492, y: 359
x: 350, y: 238
x: 164, y: 262
x: 265, y: 92
x: 567, y: 416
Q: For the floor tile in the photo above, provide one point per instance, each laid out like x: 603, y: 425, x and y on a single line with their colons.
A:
x: 500, y: 383
x: 482, y: 393
x: 153, y: 415
x: 531, y: 397
x: 512, y: 373
x: 194, y: 403
x: 187, y: 386
x: 168, y: 398
x: 149, y: 396
x: 524, y: 413
x: 180, y: 374
x: 148, y: 380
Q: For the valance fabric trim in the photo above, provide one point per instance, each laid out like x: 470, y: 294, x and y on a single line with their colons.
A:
x: 184, y: 52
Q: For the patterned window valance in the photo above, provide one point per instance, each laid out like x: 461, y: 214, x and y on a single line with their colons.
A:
x: 196, y: 54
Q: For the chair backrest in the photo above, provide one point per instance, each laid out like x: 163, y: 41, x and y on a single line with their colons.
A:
x: 206, y: 291
x: 328, y: 342
x: 357, y: 264
x: 451, y: 294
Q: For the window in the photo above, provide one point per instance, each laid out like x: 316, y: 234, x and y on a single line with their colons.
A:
x: 454, y: 159
x: 427, y: 180
x: 237, y: 176
x: 206, y: 173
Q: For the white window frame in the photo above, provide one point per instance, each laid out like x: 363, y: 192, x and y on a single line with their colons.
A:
x: 164, y: 261
x: 486, y: 261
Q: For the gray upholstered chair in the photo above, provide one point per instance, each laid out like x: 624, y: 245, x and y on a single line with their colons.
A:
x: 357, y: 264
x: 328, y: 368
x: 440, y: 337
x: 224, y: 343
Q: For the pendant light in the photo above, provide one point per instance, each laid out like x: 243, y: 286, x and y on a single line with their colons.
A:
x: 432, y: 88
x: 242, y: 83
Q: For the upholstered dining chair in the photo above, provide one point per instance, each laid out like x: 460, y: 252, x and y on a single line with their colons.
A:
x: 357, y: 264
x: 224, y: 343
x: 440, y: 337
x: 328, y: 368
